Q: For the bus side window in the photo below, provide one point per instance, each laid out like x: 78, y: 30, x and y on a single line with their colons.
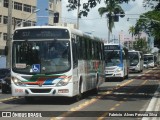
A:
x: 79, y: 48
x: 74, y: 52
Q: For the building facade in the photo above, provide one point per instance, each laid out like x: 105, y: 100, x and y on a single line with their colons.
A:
x: 21, y: 10
x: 54, y: 6
x: 24, y: 13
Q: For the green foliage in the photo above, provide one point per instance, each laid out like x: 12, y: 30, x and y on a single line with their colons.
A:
x: 153, y: 4
x: 89, y: 4
x: 141, y: 45
x: 112, y: 6
x: 132, y: 30
x: 149, y: 22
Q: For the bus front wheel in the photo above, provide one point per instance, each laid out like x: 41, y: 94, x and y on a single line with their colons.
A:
x: 79, y: 96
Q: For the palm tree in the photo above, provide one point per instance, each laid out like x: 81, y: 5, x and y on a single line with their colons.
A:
x: 132, y: 31
x: 112, y: 7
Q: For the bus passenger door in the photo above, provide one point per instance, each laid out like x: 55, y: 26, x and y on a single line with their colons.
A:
x: 75, y: 65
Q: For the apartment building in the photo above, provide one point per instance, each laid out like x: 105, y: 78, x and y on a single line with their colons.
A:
x: 21, y: 10
x: 24, y: 13
x: 55, y: 6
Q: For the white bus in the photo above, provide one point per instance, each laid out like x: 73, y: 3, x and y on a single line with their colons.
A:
x: 116, y: 59
x: 149, y: 60
x: 135, y: 61
x: 55, y: 61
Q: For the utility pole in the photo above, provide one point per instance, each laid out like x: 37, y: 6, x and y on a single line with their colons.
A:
x: 54, y: 11
x: 78, y: 8
x: 9, y: 34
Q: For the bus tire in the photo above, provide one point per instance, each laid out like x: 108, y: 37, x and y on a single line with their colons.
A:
x: 95, y: 90
x: 79, y: 96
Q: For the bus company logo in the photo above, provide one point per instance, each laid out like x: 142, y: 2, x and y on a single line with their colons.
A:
x: 6, y: 114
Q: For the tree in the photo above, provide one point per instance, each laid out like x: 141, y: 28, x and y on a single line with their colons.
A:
x: 112, y: 8
x: 149, y: 22
x: 141, y: 45
x: 88, y: 4
x: 132, y: 31
x: 154, y: 4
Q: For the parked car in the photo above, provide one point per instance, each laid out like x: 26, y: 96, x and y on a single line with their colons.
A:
x: 6, y: 84
x: 3, y: 73
x: 5, y: 80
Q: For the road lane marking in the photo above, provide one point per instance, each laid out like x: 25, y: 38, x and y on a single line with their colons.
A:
x: 113, y: 108
x: 8, y: 99
x: 89, y: 102
x: 118, y: 104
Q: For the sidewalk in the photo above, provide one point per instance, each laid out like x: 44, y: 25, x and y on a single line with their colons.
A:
x: 154, y: 104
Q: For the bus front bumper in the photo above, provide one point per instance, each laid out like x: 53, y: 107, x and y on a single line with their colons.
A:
x: 43, y: 91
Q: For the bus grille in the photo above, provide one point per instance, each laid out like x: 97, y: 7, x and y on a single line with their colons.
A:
x: 40, y: 90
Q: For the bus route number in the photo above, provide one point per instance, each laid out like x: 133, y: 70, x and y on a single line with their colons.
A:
x: 19, y: 90
x: 25, y: 34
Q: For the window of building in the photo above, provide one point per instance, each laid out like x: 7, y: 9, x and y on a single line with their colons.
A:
x: 27, y: 23
x: 33, y: 9
x: 5, y: 19
x: 50, y: 5
x: 4, y: 36
x: 33, y: 23
x: 17, y: 6
x: 18, y: 22
x: 27, y: 8
x: 6, y: 3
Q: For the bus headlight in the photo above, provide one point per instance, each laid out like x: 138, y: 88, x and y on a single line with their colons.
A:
x: 17, y: 82
x: 64, y: 81
x: 119, y: 70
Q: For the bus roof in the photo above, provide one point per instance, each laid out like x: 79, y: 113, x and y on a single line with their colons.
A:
x: 75, y: 31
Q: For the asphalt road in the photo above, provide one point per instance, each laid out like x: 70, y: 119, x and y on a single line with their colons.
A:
x: 115, y: 98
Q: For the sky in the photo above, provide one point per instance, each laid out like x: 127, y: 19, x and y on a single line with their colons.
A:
x: 42, y: 12
x: 96, y: 24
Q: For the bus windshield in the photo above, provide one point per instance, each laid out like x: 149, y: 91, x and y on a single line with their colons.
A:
x: 45, y: 57
x: 112, y: 58
x: 148, y: 59
x: 134, y: 59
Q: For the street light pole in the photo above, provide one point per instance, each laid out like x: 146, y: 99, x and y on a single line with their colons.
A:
x: 9, y: 35
x: 78, y: 8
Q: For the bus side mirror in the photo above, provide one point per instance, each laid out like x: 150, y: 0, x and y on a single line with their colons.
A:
x: 140, y: 57
x: 6, y: 50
